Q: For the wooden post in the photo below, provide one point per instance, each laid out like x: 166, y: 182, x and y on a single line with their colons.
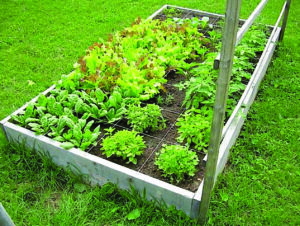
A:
x: 227, y: 53
x: 284, y: 22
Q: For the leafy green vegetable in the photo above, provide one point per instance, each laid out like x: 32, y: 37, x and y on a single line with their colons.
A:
x: 23, y: 118
x: 194, y: 127
x: 176, y: 161
x: 143, y: 118
x: 43, y: 124
x: 116, y: 76
x: 125, y: 144
x: 80, y: 134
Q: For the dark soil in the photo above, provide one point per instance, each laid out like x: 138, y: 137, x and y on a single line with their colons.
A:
x: 155, y: 140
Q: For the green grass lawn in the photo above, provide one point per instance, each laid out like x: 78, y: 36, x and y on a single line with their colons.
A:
x: 40, y: 40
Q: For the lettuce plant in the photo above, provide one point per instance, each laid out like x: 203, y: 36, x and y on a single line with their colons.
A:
x: 194, y: 127
x: 176, y: 161
x: 144, y: 118
x: 125, y: 144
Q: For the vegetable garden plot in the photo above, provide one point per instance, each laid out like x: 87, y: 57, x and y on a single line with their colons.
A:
x: 167, y: 73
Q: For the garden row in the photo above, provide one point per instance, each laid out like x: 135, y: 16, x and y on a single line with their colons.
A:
x: 120, y: 91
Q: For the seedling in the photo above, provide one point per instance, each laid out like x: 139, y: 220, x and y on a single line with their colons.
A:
x: 171, y: 12
x: 169, y: 100
x: 204, y: 22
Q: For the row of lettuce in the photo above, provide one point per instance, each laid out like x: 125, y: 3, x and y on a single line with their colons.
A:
x: 116, y: 77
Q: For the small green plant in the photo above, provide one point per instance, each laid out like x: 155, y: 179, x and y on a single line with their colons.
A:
x: 160, y: 100
x: 204, y: 22
x: 143, y: 118
x: 125, y: 144
x: 194, y: 127
x: 176, y: 161
x: 169, y: 100
x: 43, y: 124
x: 171, y: 12
x: 214, y: 37
x: 199, y: 91
x: 26, y: 116
x: 109, y: 131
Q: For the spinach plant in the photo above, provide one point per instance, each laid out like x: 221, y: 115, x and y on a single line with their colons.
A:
x: 43, y: 123
x: 25, y: 117
x: 80, y: 135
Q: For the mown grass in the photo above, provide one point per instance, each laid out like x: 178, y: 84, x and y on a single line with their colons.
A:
x: 40, y: 40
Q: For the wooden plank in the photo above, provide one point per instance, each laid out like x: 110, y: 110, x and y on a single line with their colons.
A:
x: 5, y: 219
x: 260, y: 64
x: 227, y: 53
x: 235, y: 127
x: 196, y: 201
x: 98, y: 171
x: 285, y: 18
x: 250, y: 21
x: 202, y: 13
x: 245, y: 27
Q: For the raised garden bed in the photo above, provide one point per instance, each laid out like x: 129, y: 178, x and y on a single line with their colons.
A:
x: 175, y: 93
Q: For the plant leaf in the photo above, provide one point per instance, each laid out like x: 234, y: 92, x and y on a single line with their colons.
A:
x: 67, y: 145
x: 134, y: 214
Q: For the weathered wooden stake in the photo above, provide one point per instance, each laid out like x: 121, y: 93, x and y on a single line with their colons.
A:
x: 284, y: 22
x: 227, y: 53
